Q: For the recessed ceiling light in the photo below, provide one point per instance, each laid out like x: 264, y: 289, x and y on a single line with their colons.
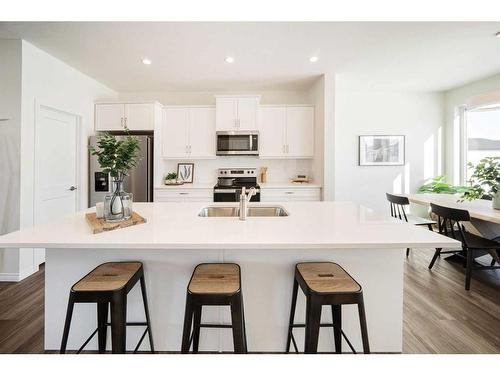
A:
x: 313, y: 58
x: 229, y: 60
x: 146, y: 61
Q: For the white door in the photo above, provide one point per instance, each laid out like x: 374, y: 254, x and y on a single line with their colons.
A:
x: 300, y: 132
x: 109, y: 116
x: 272, y: 132
x: 174, y: 133
x: 248, y: 109
x: 202, y: 132
x: 226, y: 113
x: 56, y: 168
x: 139, y: 116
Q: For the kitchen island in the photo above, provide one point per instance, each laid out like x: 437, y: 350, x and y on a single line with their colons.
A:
x: 369, y: 245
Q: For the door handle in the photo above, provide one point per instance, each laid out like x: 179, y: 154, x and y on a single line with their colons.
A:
x: 72, y: 188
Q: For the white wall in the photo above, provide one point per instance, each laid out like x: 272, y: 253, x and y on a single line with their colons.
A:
x: 10, y: 108
x: 482, y: 92
x: 361, y: 111
x: 48, y: 81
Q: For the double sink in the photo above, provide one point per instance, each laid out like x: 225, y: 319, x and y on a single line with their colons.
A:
x: 254, y: 211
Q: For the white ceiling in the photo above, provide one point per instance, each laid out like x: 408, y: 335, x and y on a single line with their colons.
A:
x: 268, y: 56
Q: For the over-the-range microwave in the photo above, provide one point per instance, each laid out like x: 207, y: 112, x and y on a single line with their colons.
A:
x: 239, y: 142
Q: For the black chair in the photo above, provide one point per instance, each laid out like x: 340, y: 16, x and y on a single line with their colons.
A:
x: 450, y: 224
x: 325, y: 283
x: 108, y: 285
x: 398, y: 204
x: 214, y: 284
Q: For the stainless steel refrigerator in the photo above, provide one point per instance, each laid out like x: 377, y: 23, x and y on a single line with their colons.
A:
x: 139, y: 182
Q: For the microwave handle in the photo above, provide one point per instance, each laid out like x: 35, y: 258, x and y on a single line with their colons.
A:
x: 251, y: 142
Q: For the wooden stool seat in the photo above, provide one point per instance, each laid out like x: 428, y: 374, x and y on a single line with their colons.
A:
x: 219, y: 278
x: 108, y: 277
x: 327, y: 277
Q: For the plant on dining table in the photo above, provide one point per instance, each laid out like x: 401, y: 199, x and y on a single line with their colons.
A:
x: 439, y: 185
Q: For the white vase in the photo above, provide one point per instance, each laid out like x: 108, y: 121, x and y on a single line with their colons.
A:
x: 496, y: 199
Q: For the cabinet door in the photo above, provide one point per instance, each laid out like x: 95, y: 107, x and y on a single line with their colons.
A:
x: 300, y: 132
x: 272, y: 132
x: 248, y: 109
x: 109, y: 116
x: 140, y: 116
x: 174, y: 133
x: 226, y: 113
x: 202, y: 132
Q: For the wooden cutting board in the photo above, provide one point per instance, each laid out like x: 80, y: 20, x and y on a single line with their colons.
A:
x: 100, y: 225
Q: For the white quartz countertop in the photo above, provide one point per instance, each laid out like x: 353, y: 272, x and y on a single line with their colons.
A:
x: 310, y: 225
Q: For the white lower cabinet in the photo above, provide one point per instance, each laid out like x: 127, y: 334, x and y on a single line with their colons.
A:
x: 173, y: 194
x: 290, y: 194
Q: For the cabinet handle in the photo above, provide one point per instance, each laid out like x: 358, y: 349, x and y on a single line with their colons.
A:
x: 288, y: 192
x: 182, y: 193
x: 125, y: 122
x: 284, y: 149
x: 287, y: 149
x: 121, y: 121
x: 189, y: 148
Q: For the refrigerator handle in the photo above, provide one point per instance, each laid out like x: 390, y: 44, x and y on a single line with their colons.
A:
x: 150, y: 168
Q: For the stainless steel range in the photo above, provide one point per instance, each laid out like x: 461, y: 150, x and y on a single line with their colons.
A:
x: 232, y: 180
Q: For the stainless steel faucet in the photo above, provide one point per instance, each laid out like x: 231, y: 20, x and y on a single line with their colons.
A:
x: 244, y: 199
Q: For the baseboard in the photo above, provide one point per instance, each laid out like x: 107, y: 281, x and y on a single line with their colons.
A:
x: 9, y: 277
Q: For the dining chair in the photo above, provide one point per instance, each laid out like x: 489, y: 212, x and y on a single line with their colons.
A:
x: 450, y: 224
x: 398, y: 204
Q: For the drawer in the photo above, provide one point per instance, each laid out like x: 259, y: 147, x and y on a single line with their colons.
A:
x: 290, y: 194
x: 183, y: 195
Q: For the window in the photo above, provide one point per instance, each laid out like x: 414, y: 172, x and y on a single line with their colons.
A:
x: 482, y: 130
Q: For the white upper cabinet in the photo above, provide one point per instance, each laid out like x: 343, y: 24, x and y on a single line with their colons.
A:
x: 118, y: 116
x: 272, y: 137
x: 174, y: 133
x: 109, y: 116
x: 286, y: 132
x: 237, y: 112
x: 300, y: 132
x: 188, y: 133
x: 202, y: 132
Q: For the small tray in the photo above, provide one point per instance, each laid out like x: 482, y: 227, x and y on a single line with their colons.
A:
x: 99, y: 225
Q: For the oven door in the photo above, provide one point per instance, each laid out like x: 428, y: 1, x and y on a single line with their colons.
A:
x: 232, y: 195
x: 237, y: 143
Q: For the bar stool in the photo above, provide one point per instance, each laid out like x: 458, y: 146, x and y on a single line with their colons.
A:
x: 214, y: 284
x: 325, y: 283
x: 108, y: 285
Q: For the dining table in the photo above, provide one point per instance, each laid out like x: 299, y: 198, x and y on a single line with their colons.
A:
x: 484, y: 218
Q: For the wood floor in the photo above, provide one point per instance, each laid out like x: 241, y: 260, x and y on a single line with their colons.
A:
x: 439, y: 315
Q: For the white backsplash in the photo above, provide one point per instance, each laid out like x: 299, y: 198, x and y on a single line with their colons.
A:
x: 205, y: 171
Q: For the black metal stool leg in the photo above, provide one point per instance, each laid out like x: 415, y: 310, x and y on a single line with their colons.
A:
x: 146, y: 312
x: 337, y: 328
x: 67, y: 323
x: 292, y: 314
x: 313, y: 321
x: 238, y: 324
x: 188, y: 319
x: 102, y: 329
x: 118, y: 323
x: 196, y: 327
x: 364, y: 328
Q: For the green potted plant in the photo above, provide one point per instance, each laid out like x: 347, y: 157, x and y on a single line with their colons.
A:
x: 171, y: 178
x: 440, y: 186
x: 485, y: 181
x: 117, y: 157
